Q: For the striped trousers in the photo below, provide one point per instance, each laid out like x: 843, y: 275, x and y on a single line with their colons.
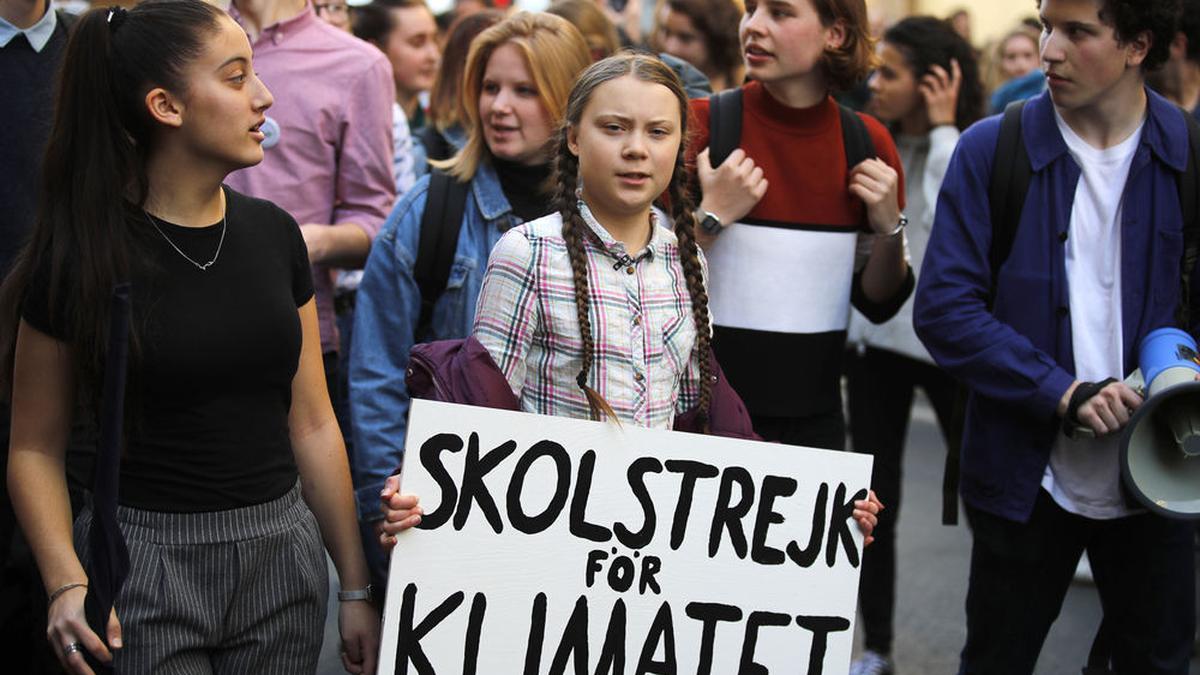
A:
x: 236, y: 591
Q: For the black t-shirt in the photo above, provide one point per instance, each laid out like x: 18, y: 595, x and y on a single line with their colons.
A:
x: 211, y: 388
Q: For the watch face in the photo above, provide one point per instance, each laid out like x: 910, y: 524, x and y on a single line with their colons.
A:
x: 710, y: 225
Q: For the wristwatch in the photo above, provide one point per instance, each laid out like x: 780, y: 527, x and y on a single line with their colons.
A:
x: 710, y: 223
x: 362, y: 594
x: 900, y: 225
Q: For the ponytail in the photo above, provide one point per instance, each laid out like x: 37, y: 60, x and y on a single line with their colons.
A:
x: 94, y: 173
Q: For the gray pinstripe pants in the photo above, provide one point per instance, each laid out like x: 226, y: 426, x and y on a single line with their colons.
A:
x: 237, y: 591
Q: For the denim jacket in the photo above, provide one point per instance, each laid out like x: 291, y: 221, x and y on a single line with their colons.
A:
x: 1018, y: 358
x: 387, y: 309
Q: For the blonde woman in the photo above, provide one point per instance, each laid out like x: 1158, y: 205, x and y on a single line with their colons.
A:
x: 518, y: 75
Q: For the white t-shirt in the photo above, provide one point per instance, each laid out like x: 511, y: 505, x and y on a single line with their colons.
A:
x: 1084, y: 475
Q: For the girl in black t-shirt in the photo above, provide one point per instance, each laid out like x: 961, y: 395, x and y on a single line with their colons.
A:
x: 227, y: 411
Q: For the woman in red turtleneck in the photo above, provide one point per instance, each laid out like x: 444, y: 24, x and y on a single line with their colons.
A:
x: 793, y: 234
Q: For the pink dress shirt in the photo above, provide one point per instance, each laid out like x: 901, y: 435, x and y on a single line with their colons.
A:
x: 331, y: 162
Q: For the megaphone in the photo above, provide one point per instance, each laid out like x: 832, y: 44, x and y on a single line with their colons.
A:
x: 1160, y: 447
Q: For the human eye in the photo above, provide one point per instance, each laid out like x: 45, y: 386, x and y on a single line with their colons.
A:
x: 750, y: 7
x: 490, y: 87
x: 526, y: 90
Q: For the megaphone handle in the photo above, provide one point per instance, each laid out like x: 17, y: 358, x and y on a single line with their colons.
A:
x: 1078, y: 431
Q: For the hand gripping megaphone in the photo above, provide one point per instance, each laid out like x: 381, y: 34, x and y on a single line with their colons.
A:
x: 1160, y: 447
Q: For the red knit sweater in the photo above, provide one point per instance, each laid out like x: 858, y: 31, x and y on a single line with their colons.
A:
x: 781, y: 278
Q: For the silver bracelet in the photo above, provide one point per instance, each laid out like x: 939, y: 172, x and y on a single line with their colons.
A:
x: 63, y: 589
x: 361, y: 594
x: 900, y: 225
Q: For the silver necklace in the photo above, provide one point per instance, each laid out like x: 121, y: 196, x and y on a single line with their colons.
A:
x: 205, y: 266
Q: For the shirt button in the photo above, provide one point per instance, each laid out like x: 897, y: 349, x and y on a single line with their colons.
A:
x: 1063, y: 311
x: 629, y: 270
x: 1062, y: 236
x: 638, y: 377
x: 637, y: 320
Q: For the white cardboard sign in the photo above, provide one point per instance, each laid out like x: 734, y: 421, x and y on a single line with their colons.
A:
x: 558, y: 546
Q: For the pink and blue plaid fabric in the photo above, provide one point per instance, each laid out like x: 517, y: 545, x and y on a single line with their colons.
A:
x: 641, y: 315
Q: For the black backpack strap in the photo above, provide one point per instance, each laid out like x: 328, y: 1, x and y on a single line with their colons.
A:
x: 724, y: 124
x: 1011, y: 174
x: 67, y: 19
x: 440, y: 224
x: 437, y: 146
x: 855, y: 138
x: 1189, y: 201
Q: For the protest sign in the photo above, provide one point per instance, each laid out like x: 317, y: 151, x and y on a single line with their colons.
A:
x: 561, y: 546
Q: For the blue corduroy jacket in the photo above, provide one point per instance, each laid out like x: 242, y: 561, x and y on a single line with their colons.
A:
x: 1017, y: 359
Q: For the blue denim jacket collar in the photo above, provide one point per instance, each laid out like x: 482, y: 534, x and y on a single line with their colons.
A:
x: 489, y: 195
x: 1163, y: 123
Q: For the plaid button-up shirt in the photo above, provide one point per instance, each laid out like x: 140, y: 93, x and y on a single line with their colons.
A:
x: 641, y: 313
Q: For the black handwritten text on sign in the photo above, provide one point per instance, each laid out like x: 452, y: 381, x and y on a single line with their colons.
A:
x: 559, y: 546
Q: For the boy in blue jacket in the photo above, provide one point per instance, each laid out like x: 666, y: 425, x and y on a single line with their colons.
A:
x: 1094, y: 267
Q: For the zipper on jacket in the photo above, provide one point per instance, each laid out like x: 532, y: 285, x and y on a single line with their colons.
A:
x: 417, y: 361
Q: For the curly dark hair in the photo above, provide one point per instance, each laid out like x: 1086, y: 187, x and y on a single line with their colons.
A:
x: 927, y: 41
x: 1130, y: 18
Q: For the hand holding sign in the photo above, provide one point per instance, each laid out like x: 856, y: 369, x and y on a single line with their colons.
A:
x: 400, y: 512
x: 865, y: 513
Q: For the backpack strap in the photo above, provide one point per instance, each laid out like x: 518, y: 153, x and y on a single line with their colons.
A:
x: 856, y: 140
x: 1011, y: 175
x: 724, y: 124
x: 1188, y: 184
x: 437, y: 146
x: 440, y: 225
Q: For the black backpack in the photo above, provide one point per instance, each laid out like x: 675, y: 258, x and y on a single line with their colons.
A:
x: 725, y: 129
x: 441, y: 222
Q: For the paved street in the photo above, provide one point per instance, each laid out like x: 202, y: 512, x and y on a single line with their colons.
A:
x: 933, y: 580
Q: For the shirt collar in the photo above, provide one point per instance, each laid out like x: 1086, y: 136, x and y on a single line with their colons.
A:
x: 616, y: 248
x: 38, y: 34
x: 1164, y: 122
x: 276, y: 32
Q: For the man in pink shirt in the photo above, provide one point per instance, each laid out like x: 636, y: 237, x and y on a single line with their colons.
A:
x: 328, y: 159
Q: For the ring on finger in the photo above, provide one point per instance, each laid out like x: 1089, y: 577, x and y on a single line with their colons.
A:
x: 71, y: 648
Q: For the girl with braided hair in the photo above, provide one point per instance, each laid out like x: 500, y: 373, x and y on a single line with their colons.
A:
x: 599, y: 311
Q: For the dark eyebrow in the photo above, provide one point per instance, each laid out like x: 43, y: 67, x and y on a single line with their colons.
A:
x: 1071, y: 25
x: 233, y: 59
x: 615, y: 116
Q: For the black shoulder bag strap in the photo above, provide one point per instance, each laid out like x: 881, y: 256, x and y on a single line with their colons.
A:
x: 1011, y: 175
x: 1189, y: 202
x: 437, y: 146
x: 855, y: 138
x: 440, y: 224
x: 724, y: 124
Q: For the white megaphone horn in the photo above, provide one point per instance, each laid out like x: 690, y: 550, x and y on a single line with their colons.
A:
x: 1160, y: 447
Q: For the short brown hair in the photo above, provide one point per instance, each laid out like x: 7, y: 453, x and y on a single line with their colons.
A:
x: 849, y: 64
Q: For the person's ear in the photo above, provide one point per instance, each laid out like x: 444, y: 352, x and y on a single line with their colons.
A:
x: 573, y: 139
x: 835, y: 35
x: 1137, y: 49
x: 164, y: 107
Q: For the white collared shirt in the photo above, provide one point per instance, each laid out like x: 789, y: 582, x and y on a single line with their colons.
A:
x: 38, y: 34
